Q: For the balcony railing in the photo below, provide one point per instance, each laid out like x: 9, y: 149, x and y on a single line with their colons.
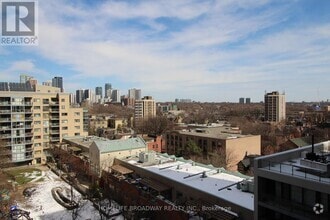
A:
x: 54, y: 103
x: 54, y: 131
x: 3, y: 128
x: 5, y: 136
x: 30, y: 149
x: 5, y: 111
x: 4, y: 103
x: 4, y: 119
x: 295, y: 170
x: 57, y: 139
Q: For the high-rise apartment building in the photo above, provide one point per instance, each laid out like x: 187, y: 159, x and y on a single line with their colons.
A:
x: 98, y: 91
x: 79, y: 96
x: 241, y: 101
x: 138, y: 94
x: 144, y: 109
x: 107, y: 87
x: 23, y: 78
x: 57, y: 81
x: 115, y: 95
x: 32, y: 120
x: 275, y: 107
x: 247, y: 100
x: 134, y: 93
x: 47, y: 83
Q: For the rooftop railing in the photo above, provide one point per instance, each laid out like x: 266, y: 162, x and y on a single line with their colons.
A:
x: 294, y: 169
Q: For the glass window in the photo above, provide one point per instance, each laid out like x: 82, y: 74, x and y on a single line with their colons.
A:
x: 46, y: 123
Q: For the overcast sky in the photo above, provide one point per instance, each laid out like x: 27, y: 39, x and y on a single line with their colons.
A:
x: 202, y: 50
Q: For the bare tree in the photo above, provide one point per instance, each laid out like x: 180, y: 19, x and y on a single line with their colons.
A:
x: 155, y: 126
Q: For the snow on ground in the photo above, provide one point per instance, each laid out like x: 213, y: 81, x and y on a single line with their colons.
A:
x: 41, y: 204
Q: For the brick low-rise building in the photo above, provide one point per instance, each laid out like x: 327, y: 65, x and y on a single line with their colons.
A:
x: 233, y: 147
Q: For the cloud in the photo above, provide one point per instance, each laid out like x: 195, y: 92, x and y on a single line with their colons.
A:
x: 21, y: 67
x: 181, y: 46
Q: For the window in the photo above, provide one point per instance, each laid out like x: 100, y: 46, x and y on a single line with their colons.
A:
x: 46, y: 130
x: 37, y: 144
x: 45, y: 101
x: 65, y: 121
x: 36, y: 100
x: 46, y: 137
x: 65, y: 114
x: 37, y: 115
x: 37, y: 130
x: 62, y: 106
x: 76, y: 134
x: 77, y: 120
x: 36, y: 107
x: 65, y: 135
x: 37, y: 137
x: 77, y: 113
x: 62, y: 100
x: 77, y: 127
x: 64, y: 128
x: 37, y: 122
x: 46, y: 123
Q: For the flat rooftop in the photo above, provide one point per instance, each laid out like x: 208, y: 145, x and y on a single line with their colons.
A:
x: 218, y: 133
x: 219, y: 182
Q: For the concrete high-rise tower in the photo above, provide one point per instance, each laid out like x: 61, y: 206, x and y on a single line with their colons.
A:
x: 144, y: 109
x: 275, y: 107
x: 107, y: 87
x: 57, y: 81
x: 98, y: 91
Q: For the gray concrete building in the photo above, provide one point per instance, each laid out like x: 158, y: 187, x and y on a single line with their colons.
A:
x: 293, y: 184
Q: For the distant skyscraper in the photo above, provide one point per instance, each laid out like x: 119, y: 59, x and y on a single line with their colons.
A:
x: 248, y: 100
x: 134, y: 93
x: 241, y: 100
x: 115, y: 95
x: 73, y: 98
x: 275, y: 107
x: 79, y: 96
x: 89, y: 96
x: 107, y: 87
x: 23, y: 78
x: 98, y: 91
x: 57, y: 81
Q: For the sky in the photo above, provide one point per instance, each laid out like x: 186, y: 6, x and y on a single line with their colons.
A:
x: 207, y: 50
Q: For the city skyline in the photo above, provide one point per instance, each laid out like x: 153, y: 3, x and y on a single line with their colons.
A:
x: 203, y: 50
